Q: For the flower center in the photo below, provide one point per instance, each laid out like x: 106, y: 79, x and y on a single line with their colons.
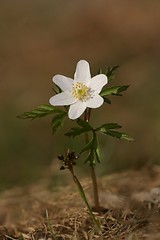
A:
x: 81, y: 91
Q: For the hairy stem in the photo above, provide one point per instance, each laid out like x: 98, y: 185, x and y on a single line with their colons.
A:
x: 92, y: 169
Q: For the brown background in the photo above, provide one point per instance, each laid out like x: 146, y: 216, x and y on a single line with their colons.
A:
x: 39, y: 39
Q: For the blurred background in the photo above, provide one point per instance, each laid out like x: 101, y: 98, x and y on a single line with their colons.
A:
x: 42, y: 38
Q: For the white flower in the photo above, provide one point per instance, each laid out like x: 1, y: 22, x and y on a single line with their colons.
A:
x: 80, y: 92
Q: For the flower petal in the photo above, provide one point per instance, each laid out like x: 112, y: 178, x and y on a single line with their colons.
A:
x: 98, y: 82
x: 82, y: 73
x: 76, y: 109
x: 63, y: 82
x: 95, y: 102
x: 62, y: 99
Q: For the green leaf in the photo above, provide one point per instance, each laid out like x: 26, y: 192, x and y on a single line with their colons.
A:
x: 56, y: 89
x: 76, y: 131
x: 96, y: 148
x: 90, y: 158
x: 39, y: 112
x: 123, y: 88
x: 127, y: 137
x: 119, y: 135
x: 110, y: 73
x: 97, y: 155
x: 84, y: 124
x: 107, y: 100
x: 105, y: 127
x: 57, y: 121
x: 100, y: 71
x: 88, y: 146
x: 114, y: 90
x: 93, y: 148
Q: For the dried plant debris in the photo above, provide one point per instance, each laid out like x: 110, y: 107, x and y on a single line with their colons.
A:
x: 131, y: 210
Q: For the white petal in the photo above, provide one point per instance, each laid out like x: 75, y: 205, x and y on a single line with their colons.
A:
x: 62, y: 99
x: 95, y: 102
x: 63, y: 82
x: 82, y: 73
x: 76, y: 109
x: 98, y: 82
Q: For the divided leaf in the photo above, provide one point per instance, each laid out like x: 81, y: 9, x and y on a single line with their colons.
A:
x: 88, y: 146
x: 57, y: 121
x: 93, y: 148
x: 44, y: 110
x: 84, y: 124
x: 90, y: 158
x: 116, y: 90
x: 119, y: 135
x: 100, y: 71
x: 56, y: 89
x: 105, y: 127
x: 110, y: 73
x: 76, y: 131
x: 107, y: 100
x: 96, y: 148
x: 39, y: 112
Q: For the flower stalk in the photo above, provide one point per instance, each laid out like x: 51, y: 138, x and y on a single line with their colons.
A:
x: 92, y: 168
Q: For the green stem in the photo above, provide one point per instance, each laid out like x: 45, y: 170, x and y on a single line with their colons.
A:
x: 83, y: 196
x: 95, y: 188
x: 92, y: 169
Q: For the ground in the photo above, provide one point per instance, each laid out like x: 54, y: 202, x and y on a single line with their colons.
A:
x: 130, y: 201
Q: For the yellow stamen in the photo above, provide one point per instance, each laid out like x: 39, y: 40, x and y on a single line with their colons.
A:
x: 81, y: 91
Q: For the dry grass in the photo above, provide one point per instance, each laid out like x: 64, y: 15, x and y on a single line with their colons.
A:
x: 130, y: 200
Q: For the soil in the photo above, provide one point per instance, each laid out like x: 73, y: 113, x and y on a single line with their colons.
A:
x: 130, y: 209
